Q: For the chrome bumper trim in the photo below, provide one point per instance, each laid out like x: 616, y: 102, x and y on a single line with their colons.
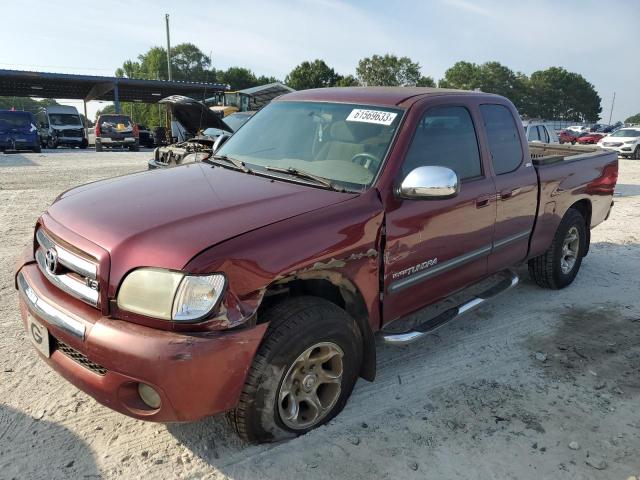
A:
x: 48, y: 312
x: 67, y: 283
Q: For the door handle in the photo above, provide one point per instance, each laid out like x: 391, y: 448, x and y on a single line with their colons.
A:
x: 483, y: 201
x: 505, y: 194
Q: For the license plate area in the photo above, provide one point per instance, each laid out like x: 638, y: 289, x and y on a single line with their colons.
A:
x: 39, y: 336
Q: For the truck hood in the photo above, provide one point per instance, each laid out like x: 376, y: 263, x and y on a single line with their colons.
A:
x: 194, y: 116
x: 164, y: 218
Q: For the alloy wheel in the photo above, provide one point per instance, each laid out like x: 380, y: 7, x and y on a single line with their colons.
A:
x: 312, y: 386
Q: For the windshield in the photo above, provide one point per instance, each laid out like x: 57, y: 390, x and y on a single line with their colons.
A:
x: 60, y: 119
x: 340, y: 142
x: 626, y: 132
x: 14, y: 120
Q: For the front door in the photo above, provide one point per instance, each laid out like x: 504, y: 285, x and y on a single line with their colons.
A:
x: 435, y: 247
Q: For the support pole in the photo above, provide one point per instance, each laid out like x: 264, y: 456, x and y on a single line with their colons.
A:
x: 116, y: 98
x: 612, y: 103
x: 86, y: 119
x: 166, y: 17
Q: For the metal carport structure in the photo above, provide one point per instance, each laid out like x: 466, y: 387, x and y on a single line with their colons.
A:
x: 18, y: 83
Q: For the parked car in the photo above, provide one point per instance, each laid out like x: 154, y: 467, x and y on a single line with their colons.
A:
x: 234, y: 121
x: 625, y: 141
x: 18, y: 131
x: 61, y: 126
x: 578, y: 128
x: 539, y: 132
x: 589, y: 138
x: 253, y: 282
x: 569, y: 136
x: 116, y: 130
x: 194, y: 118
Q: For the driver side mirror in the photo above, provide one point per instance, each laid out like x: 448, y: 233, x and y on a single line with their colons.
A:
x: 429, y: 183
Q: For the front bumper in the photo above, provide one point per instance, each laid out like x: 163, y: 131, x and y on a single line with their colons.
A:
x: 196, y: 375
x: 622, y: 149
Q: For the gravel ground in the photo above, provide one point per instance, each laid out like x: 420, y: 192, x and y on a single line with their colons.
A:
x: 539, y: 384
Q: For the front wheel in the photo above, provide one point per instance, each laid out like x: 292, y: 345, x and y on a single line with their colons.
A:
x: 303, y: 373
x: 636, y: 153
x: 559, y: 265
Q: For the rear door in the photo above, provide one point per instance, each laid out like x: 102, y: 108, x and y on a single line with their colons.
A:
x: 516, y: 186
x: 435, y: 247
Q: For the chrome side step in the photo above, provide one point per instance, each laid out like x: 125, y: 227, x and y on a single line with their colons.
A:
x: 445, y: 317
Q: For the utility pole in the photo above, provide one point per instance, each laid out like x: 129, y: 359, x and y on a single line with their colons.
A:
x: 612, y: 103
x: 166, y: 17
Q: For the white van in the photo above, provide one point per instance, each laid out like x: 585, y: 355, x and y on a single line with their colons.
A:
x: 61, y: 125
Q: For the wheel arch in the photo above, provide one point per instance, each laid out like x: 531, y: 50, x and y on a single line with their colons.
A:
x: 585, y: 208
x: 335, y: 288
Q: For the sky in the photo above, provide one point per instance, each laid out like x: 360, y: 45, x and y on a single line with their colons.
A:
x: 594, y: 38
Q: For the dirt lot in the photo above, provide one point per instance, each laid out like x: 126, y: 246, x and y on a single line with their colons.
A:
x: 538, y: 384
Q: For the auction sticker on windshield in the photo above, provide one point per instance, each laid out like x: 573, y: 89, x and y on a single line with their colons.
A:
x: 371, y: 116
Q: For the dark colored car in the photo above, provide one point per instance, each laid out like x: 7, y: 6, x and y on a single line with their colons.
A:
x: 590, y: 138
x: 116, y: 130
x: 145, y: 136
x: 18, y: 131
x: 253, y: 282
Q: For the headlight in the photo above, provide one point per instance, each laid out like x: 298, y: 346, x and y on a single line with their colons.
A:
x: 629, y: 142
x: 170, y: 295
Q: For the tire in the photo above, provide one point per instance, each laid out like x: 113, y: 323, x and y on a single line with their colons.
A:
x: 84, y: 144
x: 51, y: 144
x: 37, y: 149
x: 134, y: 148
x: 548, y: 270
x: 98, y: 147
x: 295, y: 326
x: 636, y: 153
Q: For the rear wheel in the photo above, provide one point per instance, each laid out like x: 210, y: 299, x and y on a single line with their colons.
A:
x: 303, y: 373
x: 98, y: 146
x: 636, y: 153
x: 559, y: 265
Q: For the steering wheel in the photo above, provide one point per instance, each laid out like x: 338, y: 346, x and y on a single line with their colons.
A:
x: 366, y: 160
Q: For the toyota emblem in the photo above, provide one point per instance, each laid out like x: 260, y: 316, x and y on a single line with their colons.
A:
x: 51, y: 260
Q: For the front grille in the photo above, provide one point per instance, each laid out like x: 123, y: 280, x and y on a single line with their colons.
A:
x: 69, y: 271
x: 80, y: 358
x: 71, y: 133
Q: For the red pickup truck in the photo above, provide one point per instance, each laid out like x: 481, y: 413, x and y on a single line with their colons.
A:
x: 253, y: 283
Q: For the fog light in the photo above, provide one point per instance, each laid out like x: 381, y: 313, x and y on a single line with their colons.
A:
x: 149, y: 395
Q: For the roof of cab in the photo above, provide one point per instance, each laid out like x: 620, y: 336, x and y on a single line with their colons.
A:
x: 382, y: 96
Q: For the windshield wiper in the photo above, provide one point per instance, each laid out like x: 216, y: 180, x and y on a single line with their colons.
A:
x: 233, y: 161
x: 302, y: 174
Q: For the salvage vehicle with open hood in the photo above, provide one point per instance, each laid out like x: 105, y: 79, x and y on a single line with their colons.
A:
x: 195, y: 118
x: 253, y: 282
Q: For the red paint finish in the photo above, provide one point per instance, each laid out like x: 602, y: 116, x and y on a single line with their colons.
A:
x: 264, y: 234
x: 195, y: 374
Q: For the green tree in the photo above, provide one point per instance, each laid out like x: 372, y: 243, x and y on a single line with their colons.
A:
x: 316, y: 74
x: 27, y: 104
x: 633, y: 119
x: 490, y: 77
x: 347, y: 81
x: 559, y: 94
x: 390, y: 70
x: 238, y: 77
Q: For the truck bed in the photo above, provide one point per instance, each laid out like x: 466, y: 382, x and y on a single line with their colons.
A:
x: 548, y: 153
x: 563, y: 184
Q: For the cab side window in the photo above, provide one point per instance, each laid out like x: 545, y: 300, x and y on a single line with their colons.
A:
x: 445, y: 137
x: 502, y: 135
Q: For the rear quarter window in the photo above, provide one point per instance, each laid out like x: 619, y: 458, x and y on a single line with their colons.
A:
x: 503, y: 138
